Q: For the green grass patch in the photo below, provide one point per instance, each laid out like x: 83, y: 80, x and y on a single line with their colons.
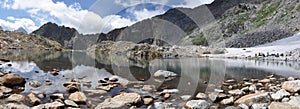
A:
x: 200, y: 40
x: 264, y: 12
x: 298, y: 8
x: 290, y: 8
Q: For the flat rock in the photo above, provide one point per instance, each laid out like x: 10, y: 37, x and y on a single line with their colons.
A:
x: 295, y: 101
x: 57, y: 96
x: 197, y: 104
x: 70, y: 103
x: 236, y: 92
x: 78, y: 97
x: 5, y: 90
x: 163, y: 105
x: 280, y: 94
x: 227, y: 101
x: 148, y: 101
x: 201, y: 96
x: 16, y: 98
x: 53, y: 105
x: 185, y: 97
x: 170, y: 91
x: 11, y: 80
x: 279, y: 105
x: 149, y: 88
x: 15, y: 106
x: 163, y: 73
x: 291, y: 86
x: 254, y: 98
x: 124, y: 99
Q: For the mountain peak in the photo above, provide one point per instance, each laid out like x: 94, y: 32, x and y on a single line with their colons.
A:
x: 21, y: 29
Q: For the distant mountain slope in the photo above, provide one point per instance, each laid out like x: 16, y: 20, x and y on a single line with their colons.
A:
x: 1, y: 28
x: 17, y: 40
x: 230, y: 23
x: 22, y: 30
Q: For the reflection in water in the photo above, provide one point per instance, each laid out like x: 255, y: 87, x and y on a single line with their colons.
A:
x: 193, y: 71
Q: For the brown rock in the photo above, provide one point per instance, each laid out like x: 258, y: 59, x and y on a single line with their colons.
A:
x: 11, y: 80
x: 78, y: 97
x: 148, y: 100
x: 33, y: 99
x: 254, y: 98
x: 16, y: 98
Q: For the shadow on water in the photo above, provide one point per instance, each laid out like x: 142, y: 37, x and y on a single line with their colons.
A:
x: 194, y: 72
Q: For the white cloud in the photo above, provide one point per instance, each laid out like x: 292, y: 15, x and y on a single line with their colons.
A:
x: 128, y: 3
x: 14, y: 23
x: 83, y: 20
x: 144, y: 14
x: 192, y: 3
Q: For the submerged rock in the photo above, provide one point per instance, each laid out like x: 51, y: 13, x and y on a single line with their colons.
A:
x: 35, y: 83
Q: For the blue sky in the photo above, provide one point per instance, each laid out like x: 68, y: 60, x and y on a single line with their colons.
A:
x: 87, y: 16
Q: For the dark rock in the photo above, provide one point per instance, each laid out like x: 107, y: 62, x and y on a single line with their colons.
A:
x: 11, y: 80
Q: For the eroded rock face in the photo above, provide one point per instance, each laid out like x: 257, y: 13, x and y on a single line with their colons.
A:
x: 124, y: 99
x: 291, y: 86
x: 11, y: 80
x: 197, y: 104
x: 254, y: 98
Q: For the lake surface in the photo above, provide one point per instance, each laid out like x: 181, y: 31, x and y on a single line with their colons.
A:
x: 87, y: 66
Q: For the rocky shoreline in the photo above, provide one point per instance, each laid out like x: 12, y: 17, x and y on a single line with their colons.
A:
x: 273, y: 92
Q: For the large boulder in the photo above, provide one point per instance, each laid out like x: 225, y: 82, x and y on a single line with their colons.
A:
x: 278, y: 105
x: 78, y: 97
x: 197, y: 104
x: 291, y: 86
x: 280, y: 94
x: 11, y: 80
x: 119, y: 101
x: 53, y: 105
x: 295, y: 101
x: 254, y: 98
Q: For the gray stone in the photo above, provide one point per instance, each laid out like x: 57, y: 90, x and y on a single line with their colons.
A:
x: 236, y: 92
x: 295, y: 101
x: 70, y: 103
x: 124, y: 99
x: 35, y: 83
x: 243, y: 106
x: 170, y: 91
x: 227, y: 101
x: 201, y: 95
x: 291, y: 86
x: 280, y: 94
x: 185, y: 97
x: 197, y: 104
x: 15, y: 106
x: 149, y: 87
x: 162, y: 73
x: 53, y: 105
x: 162, y: 105
x: 278, y: 105
x: 260, y: 106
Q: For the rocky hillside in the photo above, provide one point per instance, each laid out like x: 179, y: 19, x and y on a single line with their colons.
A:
x: 18, y: 40
x: 231, y: 23
x: 252, y: 23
